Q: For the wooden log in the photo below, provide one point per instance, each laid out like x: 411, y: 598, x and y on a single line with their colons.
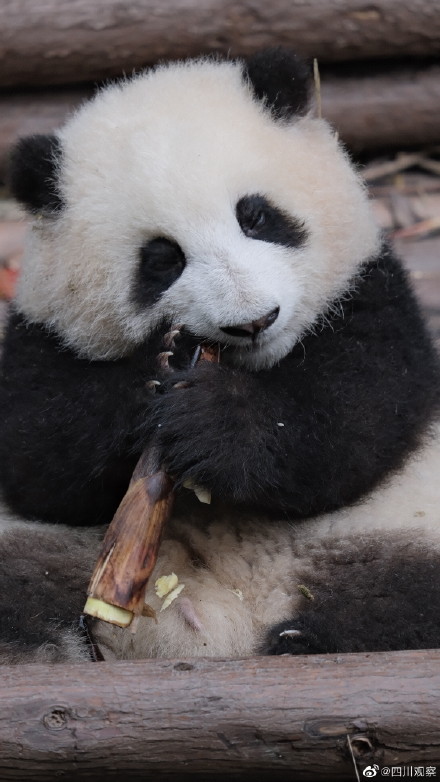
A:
x: 263, y: 718
x: 383, y: 110
x: 395, y: 109
x: 62, y: 41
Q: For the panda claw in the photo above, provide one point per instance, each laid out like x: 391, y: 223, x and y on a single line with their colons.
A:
x: 169, y: 337
x: 152, y: 385
x: 182, y: 384
x: 163, y: 359
x: 290, y: 633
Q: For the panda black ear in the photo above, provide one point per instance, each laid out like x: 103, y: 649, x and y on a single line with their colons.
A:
x: 282, y: 80
x: 33, y: 173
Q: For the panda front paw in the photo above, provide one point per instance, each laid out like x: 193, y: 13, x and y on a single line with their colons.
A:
x: 178, y: 350
x: 213, y: 429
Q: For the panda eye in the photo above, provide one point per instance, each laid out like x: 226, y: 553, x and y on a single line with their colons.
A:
x: 161, y: 262
x: 251, y: 215
x: 259, y: 219
x: 162, y: 256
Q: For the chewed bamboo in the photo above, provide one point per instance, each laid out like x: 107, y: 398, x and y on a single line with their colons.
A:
x: 129, y: 551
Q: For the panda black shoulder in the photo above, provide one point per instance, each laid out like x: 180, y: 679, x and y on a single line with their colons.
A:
x: 45, y: 385
x: 384, y: 302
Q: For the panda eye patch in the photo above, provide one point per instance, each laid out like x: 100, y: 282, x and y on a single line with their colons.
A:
x: 162, y: 255
x: 161, y: 262
x: 259, y: 219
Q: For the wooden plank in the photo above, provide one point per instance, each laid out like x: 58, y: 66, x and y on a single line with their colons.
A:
x: 268, y: 718
x: 58, y: 41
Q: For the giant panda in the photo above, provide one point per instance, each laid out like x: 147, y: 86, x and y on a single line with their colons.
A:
x: 203, y: 201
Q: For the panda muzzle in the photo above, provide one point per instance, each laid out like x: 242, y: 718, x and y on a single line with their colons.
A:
x: 254, y: 328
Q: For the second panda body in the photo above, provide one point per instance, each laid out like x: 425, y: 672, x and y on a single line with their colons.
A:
x: 199, y: 194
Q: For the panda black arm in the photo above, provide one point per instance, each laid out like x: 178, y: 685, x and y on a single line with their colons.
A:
x: 66, y: 426
x: 314, y: 433
x: 322, y: 428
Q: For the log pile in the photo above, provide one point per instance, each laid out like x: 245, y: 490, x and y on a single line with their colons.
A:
x: 380, y: 63
x: 308, y: 718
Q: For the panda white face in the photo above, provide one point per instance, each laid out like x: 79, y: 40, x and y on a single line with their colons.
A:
x: 183, y: 197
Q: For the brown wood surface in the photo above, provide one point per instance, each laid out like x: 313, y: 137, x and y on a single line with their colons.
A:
x: 265, y: 718
x: 60, y: 41
x: 396, y: 110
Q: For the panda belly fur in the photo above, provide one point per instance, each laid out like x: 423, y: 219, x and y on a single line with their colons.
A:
x: 370, y: 573
x: 238, y: 215
x: 365, y: 567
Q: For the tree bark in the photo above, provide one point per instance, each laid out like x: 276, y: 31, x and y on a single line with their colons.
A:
x: 60, y: 41
x: 393, y: 110
x: 263, y: 718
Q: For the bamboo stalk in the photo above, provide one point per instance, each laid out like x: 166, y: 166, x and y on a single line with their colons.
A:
x: 129, y: 551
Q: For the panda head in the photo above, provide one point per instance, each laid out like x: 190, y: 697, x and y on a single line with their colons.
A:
x: 200, y: 191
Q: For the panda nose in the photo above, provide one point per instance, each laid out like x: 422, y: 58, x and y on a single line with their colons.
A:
x: 254, y: 328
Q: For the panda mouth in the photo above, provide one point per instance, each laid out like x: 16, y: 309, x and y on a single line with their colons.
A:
x: 238, y: 346
x: 230, y: 340
x: 243, y: 332
x: 253, y: 329
x: 238, y: 341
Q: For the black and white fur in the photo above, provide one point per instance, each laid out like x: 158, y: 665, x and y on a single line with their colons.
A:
x: 203, y: 193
